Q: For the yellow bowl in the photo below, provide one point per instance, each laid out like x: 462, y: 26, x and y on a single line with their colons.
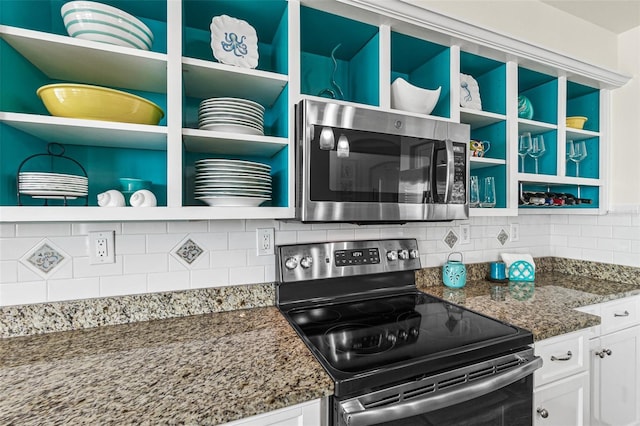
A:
x: 576, y: 122
x: 98, y: 103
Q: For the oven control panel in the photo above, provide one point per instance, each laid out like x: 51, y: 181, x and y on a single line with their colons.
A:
x: 301, y: 262
x: 356, y: 257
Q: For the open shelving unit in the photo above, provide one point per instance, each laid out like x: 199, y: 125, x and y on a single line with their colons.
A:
x: 371, y: 47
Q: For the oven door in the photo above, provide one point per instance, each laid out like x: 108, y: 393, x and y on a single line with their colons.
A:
x: 494, y: 392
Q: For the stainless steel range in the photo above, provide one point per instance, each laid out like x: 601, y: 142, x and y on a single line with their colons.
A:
x: 397, y: 355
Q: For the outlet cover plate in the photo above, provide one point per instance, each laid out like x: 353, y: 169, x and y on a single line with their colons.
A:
x: 101, y: 247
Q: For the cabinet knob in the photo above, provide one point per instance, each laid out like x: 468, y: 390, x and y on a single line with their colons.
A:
x: 563, y: 358
x: 603, y: 353
x: 543, y: 413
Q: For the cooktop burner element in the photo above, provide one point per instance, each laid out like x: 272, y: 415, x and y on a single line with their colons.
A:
x: 368, y: 324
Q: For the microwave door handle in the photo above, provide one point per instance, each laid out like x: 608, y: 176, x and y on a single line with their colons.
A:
x: 448, y: 143
x: 355, y: 414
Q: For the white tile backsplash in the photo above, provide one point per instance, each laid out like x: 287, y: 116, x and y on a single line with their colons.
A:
x: 144, y: 262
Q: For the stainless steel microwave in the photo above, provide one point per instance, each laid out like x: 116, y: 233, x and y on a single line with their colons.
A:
x: 360, y: 165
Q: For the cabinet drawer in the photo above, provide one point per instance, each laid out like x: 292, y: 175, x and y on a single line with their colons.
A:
x: 619, y: 314
x: 562, y: 356
x: 593, y: 310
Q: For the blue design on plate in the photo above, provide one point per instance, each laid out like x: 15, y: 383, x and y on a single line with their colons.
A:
x: 232, y: 44
x: 525, y: 108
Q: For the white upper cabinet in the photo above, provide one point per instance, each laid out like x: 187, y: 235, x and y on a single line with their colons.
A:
x: 367, y: 47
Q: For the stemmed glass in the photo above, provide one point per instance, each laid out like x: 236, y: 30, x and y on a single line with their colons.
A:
x: 579, y: 154
x: 524, y: 146
x: 537, y: 149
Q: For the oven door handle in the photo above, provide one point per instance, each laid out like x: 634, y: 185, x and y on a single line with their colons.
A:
x: 355, y: 414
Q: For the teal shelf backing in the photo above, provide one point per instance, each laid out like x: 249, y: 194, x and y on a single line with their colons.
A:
x: 144, y: 164
x: 20, y: 13
x: 542, y: 91
x: 547, y: 164
x: 584, y: 101
x: 279, y: 163
x: 582, y: 191
x: 275, y: 117
x: 423, y: 64
x: 19, y: 82
x: 499, y: 173
x: 496, y: 135
x: 357, y: 58
x: 589, y: 167
x: 269, y: 19
x: 492, y: 80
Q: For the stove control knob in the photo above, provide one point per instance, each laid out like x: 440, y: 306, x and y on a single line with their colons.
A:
x: 403, y: 254
x: 413, y: 332
x: 413, y: 254
x: 403, y: 335
x: 306, y: 262
x: 291, y: 263
x: 392, y: 255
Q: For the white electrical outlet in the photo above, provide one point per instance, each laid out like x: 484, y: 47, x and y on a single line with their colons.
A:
x: 514, y: 234
x: 465, y: 233
x: 102, y: 247
x: 265, y: 241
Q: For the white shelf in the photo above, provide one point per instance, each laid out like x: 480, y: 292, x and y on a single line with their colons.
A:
x: 204, y: 79
x: 477, y: 119
x: 482, y: 162
x: 530, y: 178
x: 579, y: 134
x: 196, y: 140
x: 99, y: 214
x: 534, y: 126
x: 75, y: 131
x: 85, y: 61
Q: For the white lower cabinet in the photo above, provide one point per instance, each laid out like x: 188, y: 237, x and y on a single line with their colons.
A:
x: 561, y: 385
x: 563, y: 402
x: 615, y: 363
x: 305, y: 414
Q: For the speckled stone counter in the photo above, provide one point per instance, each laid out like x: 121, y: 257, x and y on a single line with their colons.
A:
x: 545, y: 307
x: 201, y: 369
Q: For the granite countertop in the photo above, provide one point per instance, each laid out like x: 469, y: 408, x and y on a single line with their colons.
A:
x: 216, y: 367
x: 201, y: 369
x: 546, y: 307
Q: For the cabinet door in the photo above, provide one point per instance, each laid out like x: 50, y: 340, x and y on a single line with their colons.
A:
x: 305, y: 414
x: 616, y: 378
x: 563, y: 402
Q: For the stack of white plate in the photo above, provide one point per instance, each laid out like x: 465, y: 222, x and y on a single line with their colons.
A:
x: 52, y: 185
x: 238, y: 183
x: 231, y: 115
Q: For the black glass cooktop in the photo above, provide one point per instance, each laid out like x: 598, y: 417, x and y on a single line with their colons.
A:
x: 355, y: 339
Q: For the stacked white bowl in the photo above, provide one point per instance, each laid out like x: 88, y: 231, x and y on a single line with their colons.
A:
x: 89, y: 20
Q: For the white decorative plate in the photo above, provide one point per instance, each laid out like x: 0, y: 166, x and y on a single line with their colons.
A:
x: 234, y: 42
x: 469, y: 93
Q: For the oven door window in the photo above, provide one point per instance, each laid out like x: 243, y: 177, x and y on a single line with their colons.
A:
x: 509, y: 406
x: 360, y: 166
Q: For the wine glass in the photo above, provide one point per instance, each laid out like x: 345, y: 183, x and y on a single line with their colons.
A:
x: 579, y: 154
x: 570, y: 152
x: 537, y: 149
x: 524, y: 146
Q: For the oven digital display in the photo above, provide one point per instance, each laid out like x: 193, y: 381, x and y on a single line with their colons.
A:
x: 356, y: 257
